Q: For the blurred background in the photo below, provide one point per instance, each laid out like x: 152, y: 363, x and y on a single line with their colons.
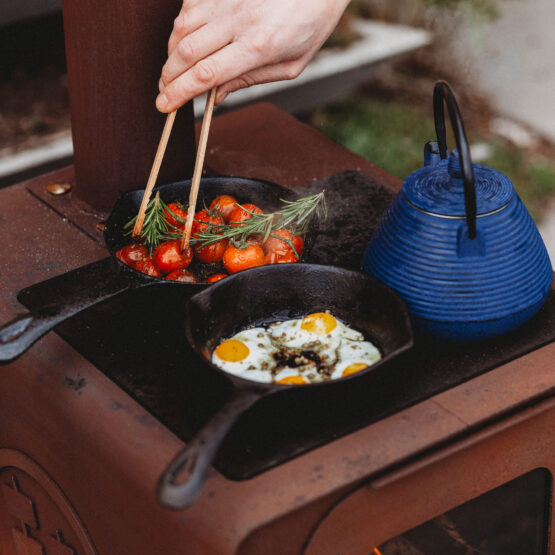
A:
x: 370, y: 88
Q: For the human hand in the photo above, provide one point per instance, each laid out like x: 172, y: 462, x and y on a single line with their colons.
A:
x: 234, y: 44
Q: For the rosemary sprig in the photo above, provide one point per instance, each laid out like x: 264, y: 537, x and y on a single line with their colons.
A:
x: 156, y: 227
x: 295, y: 216
x: 298, y: 214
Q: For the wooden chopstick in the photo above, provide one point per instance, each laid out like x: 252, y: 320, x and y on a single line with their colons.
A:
x: 199, y: 163
x: 154, y: 173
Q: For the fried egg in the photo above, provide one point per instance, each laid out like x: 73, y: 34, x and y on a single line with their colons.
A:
x: 354, y: 356
x: 305, y: 350
x: 320, y: 326
x: 248, y: 354
x: 319, y: 332
x: 290, y: 376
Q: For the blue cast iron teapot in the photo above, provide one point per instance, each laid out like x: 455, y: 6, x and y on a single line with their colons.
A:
x: 457, y: 243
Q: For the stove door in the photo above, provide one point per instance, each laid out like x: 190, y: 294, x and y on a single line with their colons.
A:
x: 489, y: 492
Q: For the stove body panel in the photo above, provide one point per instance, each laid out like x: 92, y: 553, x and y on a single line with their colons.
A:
x: 104, y: 452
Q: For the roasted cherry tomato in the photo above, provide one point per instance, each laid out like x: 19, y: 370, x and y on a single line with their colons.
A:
x: 224, y: 204
x: 169, y: 257
x: 146, y: 266
x: 278, y: 246
x: 177, y: 211
x: 131, y: 254
x: 216, y: 277
x: 239, y: 213
x: 204, y: 220
x: 237, y: 259
x: 184, y: 276
x: 278, y: 258
x: 211, y: 253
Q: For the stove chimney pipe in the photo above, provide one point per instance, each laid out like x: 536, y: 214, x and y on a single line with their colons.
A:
x: 115, y: 50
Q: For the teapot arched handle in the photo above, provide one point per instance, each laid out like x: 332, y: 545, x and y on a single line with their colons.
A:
x: 443, y: 93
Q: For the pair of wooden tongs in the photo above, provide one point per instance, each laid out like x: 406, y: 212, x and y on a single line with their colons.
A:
x: 197, y: 173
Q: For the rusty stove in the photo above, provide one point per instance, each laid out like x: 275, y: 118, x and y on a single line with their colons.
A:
x: 450, y: 451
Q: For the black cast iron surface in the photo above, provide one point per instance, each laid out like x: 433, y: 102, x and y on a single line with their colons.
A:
x: 138, y: 341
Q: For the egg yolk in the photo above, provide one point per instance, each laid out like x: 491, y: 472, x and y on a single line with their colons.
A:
x: 354, y: 368
x: 292, y: 380
x: 319, y: 323
x: 232, y: 350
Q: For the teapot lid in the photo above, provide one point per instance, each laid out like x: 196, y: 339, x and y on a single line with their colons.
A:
x: 438, y: 186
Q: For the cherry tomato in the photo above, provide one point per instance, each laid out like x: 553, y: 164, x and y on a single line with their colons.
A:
x: 177, y: 211
x: 182, y: 275
x: 211, y: 253
x: 131, y: 254
x: 204, y: 220
x: 239, y: 213
x: 278, y: 258
x: 273, y: 244
x: 146, y: 266
x: 216, y: 277
x: 224, y: 204
x: 237, y: 259
x: 168, y: 256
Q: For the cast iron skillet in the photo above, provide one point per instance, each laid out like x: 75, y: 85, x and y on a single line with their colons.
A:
x: 263, y: 295
x: 19, y: 334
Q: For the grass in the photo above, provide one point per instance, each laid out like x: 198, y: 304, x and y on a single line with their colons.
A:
x: 392, y: 135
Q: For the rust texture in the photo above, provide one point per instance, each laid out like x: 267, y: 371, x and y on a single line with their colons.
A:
x: 115, y: 52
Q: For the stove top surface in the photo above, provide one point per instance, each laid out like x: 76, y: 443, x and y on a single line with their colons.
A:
x: 137, y: 340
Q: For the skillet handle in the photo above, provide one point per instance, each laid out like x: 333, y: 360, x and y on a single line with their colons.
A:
x: 20, y: 333
x: 195, y: 459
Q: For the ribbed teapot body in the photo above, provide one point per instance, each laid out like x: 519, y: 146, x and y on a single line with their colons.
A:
x: 457, y: 243
x: 455, y: 294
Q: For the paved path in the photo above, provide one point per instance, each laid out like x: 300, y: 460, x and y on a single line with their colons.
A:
x: 513, y: 61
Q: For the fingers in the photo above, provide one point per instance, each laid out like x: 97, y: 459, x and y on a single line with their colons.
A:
x: 266, y: 74
x: 194, y: 47
x: 234, y: 44
x: 222, y: 66
x: 188, y: 21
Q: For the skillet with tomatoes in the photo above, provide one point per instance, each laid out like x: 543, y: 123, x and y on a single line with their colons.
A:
x: 228, y: 235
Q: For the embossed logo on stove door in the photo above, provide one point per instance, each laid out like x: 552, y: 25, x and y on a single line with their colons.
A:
x: 35, y: 516
x: 22, y: 508
x: 56, y: 545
